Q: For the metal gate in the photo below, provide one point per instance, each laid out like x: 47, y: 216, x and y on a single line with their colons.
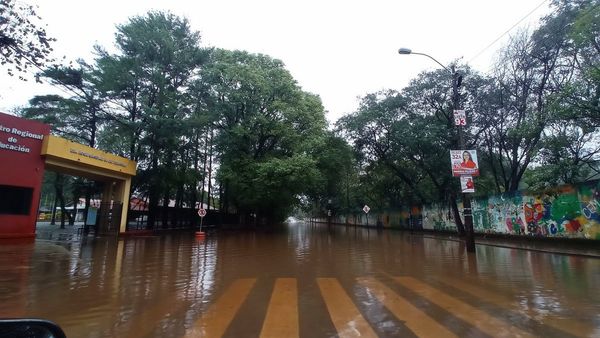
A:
x: 109, y: 218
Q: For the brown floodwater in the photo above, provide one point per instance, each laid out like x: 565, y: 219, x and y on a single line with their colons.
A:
x: 298, y: 280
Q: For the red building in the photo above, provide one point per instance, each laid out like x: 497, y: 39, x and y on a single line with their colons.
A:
x: 21, y: 173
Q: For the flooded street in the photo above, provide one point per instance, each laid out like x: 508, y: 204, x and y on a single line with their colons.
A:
x: 298, y: 280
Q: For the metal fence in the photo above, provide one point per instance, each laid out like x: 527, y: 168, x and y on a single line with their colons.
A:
x: 177, y: 218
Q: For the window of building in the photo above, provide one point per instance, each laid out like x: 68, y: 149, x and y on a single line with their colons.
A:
x: 15, y: 200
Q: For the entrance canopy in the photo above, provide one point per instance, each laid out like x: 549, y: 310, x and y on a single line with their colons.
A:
x: 78, y: 160
x: 64, y: 156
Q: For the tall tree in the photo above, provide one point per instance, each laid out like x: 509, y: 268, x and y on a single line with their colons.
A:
x: 569, y: 152
x: 527, y: 78
x: 148, y: 79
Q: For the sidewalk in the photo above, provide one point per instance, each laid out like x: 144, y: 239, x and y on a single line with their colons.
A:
x: 561, y: 246
x: 45, y: 230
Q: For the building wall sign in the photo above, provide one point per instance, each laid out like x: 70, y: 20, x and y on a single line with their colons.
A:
x: 98, y: 157
x: 11, y: 138
x: 22, y: 133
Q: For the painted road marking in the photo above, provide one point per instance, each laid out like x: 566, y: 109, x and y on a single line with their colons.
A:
x: 479, y: 319
x: 345, y: 316
x: 214, y: 322
x: 416, y: 320
x: 282, y: 314
x: 570, y: 325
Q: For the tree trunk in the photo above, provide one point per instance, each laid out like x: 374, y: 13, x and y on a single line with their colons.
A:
x: 53, y: 218
x: 194, y: 190
x: 457, y: 220
x: 204, y: 171
x: 165, y: 211
x: 153, y: 194
x: 58, y: 186
x: 210, y: 169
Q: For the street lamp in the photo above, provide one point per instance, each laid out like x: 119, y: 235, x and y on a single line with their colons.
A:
x: 406, y: 51
x: 456, y: 82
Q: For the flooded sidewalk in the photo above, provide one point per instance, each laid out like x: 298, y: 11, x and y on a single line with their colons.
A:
x: 298, y: 280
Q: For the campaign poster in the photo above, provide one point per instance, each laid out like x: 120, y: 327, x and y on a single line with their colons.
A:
x: 467, y: 184
x: 460, y: 118
x: 464, y: 162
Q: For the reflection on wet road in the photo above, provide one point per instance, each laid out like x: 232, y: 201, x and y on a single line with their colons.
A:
x: 301, y: 280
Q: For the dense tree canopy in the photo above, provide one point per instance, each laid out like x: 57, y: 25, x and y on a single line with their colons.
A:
x: 266, y: 126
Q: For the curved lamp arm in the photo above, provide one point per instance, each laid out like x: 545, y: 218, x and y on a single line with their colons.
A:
x: 405, y: 51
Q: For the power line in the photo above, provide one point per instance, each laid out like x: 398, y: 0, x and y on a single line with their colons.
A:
x: 507, y: 31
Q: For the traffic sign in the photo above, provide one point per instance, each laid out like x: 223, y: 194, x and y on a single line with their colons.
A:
x: 202, y: 212
x: 366, y: 209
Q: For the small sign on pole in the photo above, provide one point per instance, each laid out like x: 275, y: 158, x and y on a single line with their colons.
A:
x: 366, y: 209
x: 460, y: 118
x: 201, y: 213
x: 466, y: 184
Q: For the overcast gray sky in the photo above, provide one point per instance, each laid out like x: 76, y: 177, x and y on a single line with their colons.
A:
x: 339, y: 50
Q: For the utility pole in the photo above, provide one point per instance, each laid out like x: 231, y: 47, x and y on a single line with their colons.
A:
x: 456, y: 82
x: 467, y: 210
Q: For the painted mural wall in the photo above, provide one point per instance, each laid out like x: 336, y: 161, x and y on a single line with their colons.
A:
x: 567, y: 211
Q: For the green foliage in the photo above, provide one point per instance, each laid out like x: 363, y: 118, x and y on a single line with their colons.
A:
x: 568, y: 151
x: 403, y: 139
x: 336, y: 186
x: 266, y: 128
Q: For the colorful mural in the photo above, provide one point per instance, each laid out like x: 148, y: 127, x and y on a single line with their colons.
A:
x: 567, y: 211
x: 589, y: 197
x: 506, y: 214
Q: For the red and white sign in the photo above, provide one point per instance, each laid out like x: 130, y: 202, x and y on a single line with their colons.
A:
x: 464, y: 162
x: 366, y: 209
x: 460, y: 118
x: 202, y: 212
